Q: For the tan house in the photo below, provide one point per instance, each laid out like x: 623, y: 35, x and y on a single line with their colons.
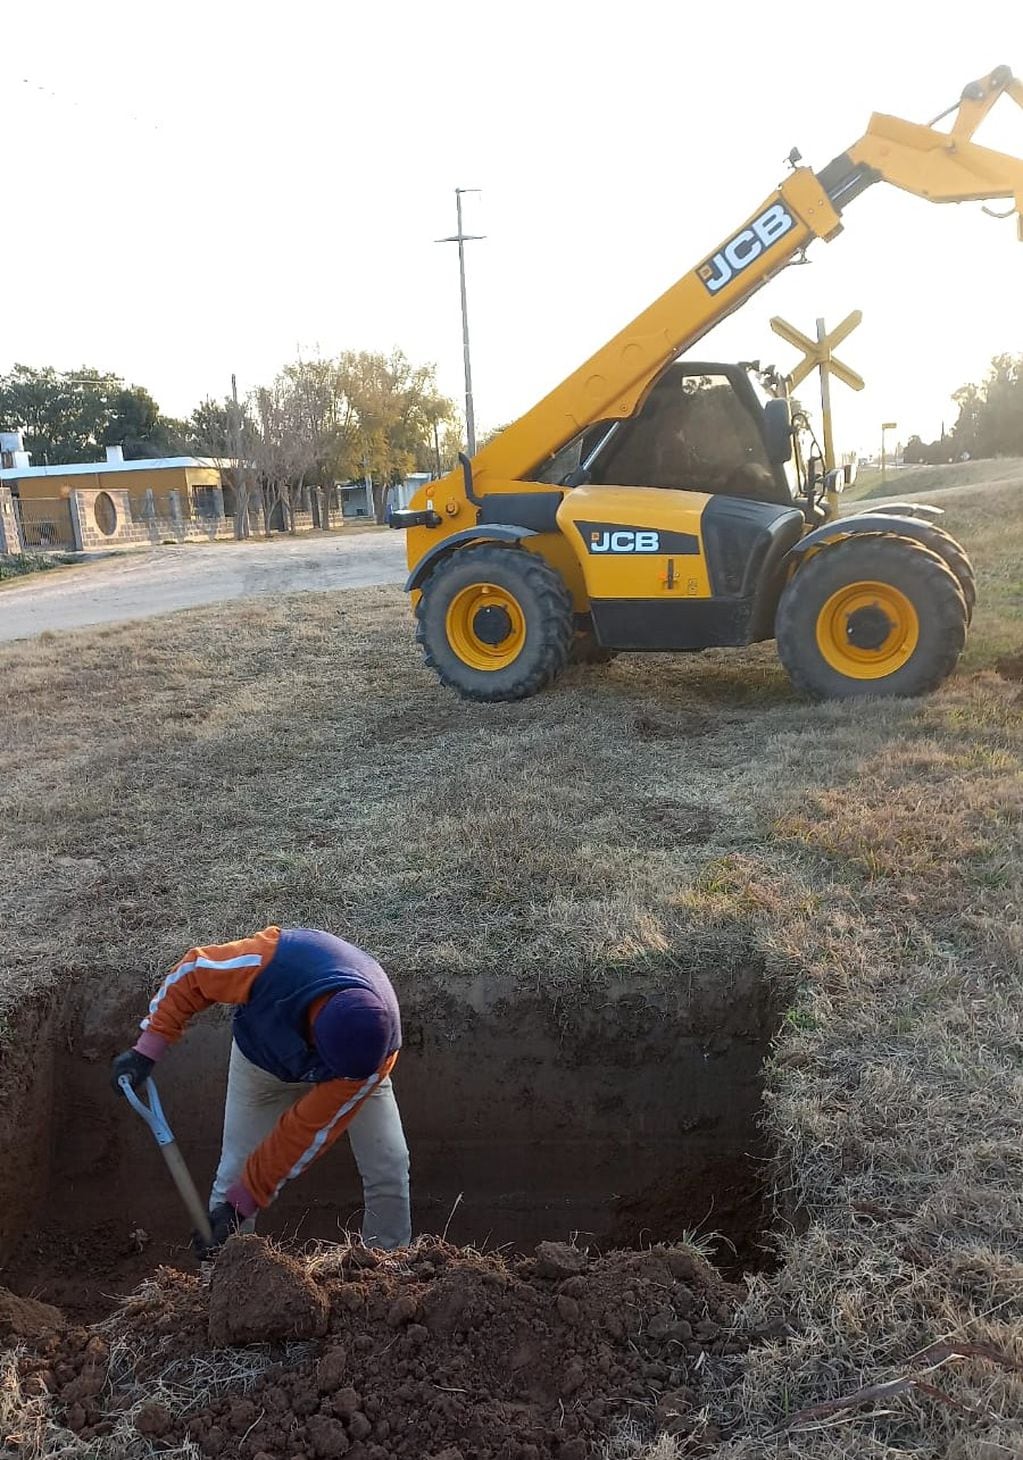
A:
x: 82, y: 504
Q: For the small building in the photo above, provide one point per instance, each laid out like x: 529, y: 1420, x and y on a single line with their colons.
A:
x: 168, y: 488
x: 357, y: 497
x: 401, y: 495
x: 357, y: 500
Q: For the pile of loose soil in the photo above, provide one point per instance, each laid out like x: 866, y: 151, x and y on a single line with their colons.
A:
x: 435, y: 1352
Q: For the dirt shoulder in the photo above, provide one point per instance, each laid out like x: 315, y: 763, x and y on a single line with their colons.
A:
x: 156, y: 581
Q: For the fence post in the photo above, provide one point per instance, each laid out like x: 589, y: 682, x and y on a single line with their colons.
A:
x: 10, y: 533
x: 75, y: 513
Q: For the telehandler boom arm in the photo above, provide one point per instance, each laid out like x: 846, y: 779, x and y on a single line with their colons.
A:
x: 943, y: 167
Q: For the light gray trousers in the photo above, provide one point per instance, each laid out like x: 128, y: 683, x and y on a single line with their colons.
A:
x: 255, y: 1102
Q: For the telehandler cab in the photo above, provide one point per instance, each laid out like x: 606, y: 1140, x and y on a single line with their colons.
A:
x: 652, y: 502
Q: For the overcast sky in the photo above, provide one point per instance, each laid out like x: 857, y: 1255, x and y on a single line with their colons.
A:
x: 191, y: 189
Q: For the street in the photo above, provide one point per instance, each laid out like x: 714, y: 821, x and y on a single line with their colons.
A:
x: 160, y: 580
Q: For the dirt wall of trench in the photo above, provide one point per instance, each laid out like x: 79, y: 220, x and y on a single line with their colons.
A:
x: 625, y: 1117
x: 30, y: 1049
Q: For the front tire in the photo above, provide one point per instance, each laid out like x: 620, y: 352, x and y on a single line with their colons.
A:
x: 871, y: 616
x: 495, y: 623
x: 954, y: 556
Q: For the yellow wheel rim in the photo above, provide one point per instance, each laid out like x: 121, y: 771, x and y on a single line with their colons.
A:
x: 485, y: 626
x: 867, y: 630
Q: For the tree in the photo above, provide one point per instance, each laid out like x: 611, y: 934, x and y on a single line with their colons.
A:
x: 368, y: 416
x: 224, y: 431
x: 319, y: 423
x: 490, y: 435
x: 990, y: 421
x: 70, y: 416
x: 208, y: 428
x: 283, y: 452
x: 923, y: 453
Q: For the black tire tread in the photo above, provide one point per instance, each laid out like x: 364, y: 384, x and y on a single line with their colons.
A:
x: 948, y: 606
x: 552, y: 593
x: 954, y: 555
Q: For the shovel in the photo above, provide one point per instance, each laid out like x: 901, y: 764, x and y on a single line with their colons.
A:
x: 154, y: 1117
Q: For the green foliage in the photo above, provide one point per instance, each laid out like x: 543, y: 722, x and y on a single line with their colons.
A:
x: 370, y: 414
x: 491, y: 435
x: 207, y: 432
x: 990, y: 419
x: 17, y: 565
x: 933, y: 453
x: 71, y: 415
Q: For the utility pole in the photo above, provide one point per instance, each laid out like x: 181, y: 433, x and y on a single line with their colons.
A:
x: 462, y: 238
x: 241, y: 490
x: 885, y: 427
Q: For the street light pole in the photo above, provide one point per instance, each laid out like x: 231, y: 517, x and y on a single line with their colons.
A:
x: 885, y: 426
x: 462, y: 238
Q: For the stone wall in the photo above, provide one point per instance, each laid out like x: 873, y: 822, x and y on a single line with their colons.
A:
x: 114, y: 518
x: 10, y: 537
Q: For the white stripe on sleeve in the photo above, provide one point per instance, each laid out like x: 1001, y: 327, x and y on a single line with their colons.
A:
x: 244, y: 960
x: 320, y: 1138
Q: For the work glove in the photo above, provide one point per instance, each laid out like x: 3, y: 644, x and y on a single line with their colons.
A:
x: 138, y: 1068
x: 225, y: 1220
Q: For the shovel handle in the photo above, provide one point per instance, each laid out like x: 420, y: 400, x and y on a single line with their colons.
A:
x: 151, y: 1112
x: 181, y: 1176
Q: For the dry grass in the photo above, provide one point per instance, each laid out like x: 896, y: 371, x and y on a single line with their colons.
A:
x: 912, y: 480
x: 30, y: 1425
x: 292, y: 762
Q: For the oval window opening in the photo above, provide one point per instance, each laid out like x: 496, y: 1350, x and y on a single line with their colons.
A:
x: 106, y: 514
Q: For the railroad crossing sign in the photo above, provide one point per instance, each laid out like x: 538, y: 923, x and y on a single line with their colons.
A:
x: 819, y: 354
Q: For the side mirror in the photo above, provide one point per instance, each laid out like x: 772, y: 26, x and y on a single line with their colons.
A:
x: 778, y: 431
x: 850, y: 473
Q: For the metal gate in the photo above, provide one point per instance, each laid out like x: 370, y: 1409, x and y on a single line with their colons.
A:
x: 45, y: 522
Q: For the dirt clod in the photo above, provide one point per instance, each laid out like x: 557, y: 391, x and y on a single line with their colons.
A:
x: 331, y: 1369
x: 346, y: 1401
x: 401, y: 1310
x: 259, y: 1294
x: 559, y: 1260
x: 328, y: 1437
x: 25, y: 1319
x: 568, y: 1308
x: 153, y: 1419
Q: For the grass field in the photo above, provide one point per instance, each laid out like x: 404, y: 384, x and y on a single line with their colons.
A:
x: 292, y: 762
x: 911, y: 480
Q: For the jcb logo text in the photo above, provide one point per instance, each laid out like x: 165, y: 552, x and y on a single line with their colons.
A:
x: 746, y: 246
x: 624, y: 540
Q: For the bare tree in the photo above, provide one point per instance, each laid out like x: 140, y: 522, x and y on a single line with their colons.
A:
x: 223, y: 432
x: 325, y: 422
x: 285, y: 451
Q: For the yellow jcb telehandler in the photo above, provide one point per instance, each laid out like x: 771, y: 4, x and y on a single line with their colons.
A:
x: 657, y: 502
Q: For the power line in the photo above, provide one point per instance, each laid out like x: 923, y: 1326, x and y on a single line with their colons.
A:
x: 66, y: 99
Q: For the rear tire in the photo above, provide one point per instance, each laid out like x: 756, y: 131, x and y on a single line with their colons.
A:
x: 871, y: 615
x: 495, y: 623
